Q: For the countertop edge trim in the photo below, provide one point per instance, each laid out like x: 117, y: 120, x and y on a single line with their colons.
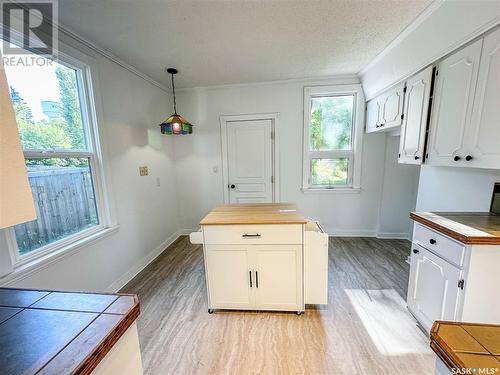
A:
x: 468, y: 240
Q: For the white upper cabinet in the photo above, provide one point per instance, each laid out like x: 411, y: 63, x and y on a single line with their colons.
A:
x: 413, y: 130
x: 385, y: 112
x: 372, y: 116
x: 482, y: 137
x: 465, y: 120
x: 452, y: 108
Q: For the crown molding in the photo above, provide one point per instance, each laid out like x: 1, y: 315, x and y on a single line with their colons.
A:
x: 422, y: 16
x: 110, y: 56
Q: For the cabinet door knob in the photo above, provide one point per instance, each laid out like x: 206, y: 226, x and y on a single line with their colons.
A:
x: 417, y: 157
x: 432, y: 241
x: 232, y: 186
x: 457, y: 158
x: 415, y: 251
x: 469, y: 157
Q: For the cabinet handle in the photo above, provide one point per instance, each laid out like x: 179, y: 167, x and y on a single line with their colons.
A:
x: 250, y: 276
x: 461, y: 284
x: 256, y: 279
x: 417, y: 157
x: 415, y: 251
x: 432, y: 241
x: 250, y: 235
x: 469, y: 157
x: 457, y: 158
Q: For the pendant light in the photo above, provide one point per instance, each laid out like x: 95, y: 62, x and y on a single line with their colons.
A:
x: 175, y: 124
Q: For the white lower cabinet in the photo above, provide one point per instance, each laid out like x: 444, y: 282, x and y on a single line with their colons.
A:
x: 255, y: 277
x: 433, y: 290
x: 450, y: 280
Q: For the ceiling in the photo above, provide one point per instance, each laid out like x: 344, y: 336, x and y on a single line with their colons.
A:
x: 215, y: 42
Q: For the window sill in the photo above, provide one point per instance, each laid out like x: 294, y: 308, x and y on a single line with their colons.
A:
x: 24, y: 270
x: 345, y: 190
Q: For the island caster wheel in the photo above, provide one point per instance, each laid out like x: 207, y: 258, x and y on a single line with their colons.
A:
x: 210, y: 311
x: 299, y: 313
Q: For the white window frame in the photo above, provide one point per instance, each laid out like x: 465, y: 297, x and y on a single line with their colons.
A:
x: 90, y: 116
x: 354, y: 169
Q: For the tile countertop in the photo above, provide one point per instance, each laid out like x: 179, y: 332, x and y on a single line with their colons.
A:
x: 467, y: 345
x: 48, y: 332
x: 255, y: 213
x: 474, y: 228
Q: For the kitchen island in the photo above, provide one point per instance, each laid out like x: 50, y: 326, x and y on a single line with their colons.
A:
x: 49, y: 332
x: 257, y: 258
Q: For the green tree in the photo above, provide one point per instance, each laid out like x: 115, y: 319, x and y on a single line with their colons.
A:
x: 68, y: 92
x: 21, y: 108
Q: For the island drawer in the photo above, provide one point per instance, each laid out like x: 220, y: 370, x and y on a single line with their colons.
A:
x: 253, y: 234
x: 439, y: 244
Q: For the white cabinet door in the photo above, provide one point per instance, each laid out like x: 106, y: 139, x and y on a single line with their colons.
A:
x: 228, y: 270
x: 412, y: 141
x: 433, y: 292
x: 278, y: 281
x: 373, y: 115
x: 483, y: 134
x: 452, y: 105
x: 392, y: 103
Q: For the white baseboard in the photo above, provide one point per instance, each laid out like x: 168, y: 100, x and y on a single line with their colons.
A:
x: 365, y: 233
x: 185, y: 232
x: 350, y: 233
x: 394, y: 236
x: 141, y: 264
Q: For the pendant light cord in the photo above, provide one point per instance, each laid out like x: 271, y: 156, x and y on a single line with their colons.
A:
x: 173, y: 91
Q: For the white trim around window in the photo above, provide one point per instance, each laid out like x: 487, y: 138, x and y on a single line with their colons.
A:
x: 91, y: 109
x: 353, y: 154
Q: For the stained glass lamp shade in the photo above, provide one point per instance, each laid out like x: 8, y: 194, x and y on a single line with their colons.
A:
x: 175, y: 124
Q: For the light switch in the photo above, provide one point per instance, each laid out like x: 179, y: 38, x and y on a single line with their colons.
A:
x: 143, y: 171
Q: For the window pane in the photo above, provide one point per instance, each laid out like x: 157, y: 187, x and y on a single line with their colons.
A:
x: 331, y: 123
x: 329, y: 171
x: 64, y: 199
x: 47, y: 105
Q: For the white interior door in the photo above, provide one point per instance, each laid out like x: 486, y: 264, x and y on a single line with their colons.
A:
x: 250, y: 161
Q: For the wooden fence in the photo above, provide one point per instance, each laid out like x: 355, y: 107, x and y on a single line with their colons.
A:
x: 65, y: 204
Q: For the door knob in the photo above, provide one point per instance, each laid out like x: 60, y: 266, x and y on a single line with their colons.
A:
x: 457, y: 158
x: 415, y: 251
x: 469, y: 157
x: 233, y: 186
x: 432, y: 241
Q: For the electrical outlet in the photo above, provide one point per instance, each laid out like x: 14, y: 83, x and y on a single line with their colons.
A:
x: 143, y: 171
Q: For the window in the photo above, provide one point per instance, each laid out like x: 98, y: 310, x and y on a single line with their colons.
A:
x: 53, y: 115
x: 332, y: 137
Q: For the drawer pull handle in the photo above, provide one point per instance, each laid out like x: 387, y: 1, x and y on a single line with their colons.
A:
x: 250, y: 274
x: 247, y: 235
x: 432, y: 241
x: 415, y: 251
x: 256, y: 279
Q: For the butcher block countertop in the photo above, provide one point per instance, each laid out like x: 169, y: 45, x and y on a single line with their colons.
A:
x: 467, y: 345
x: 474, y: 228
x: 256, y: 213
x: 46, y: 332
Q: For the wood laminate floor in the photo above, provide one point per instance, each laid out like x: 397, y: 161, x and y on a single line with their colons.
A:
x: 365, y: 328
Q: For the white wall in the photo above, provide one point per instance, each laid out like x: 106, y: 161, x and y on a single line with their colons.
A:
x: 200, y: 189
x: 455, y: 189
x: 399, y: 192
x: 439, y: 31
x: 132, y: 108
